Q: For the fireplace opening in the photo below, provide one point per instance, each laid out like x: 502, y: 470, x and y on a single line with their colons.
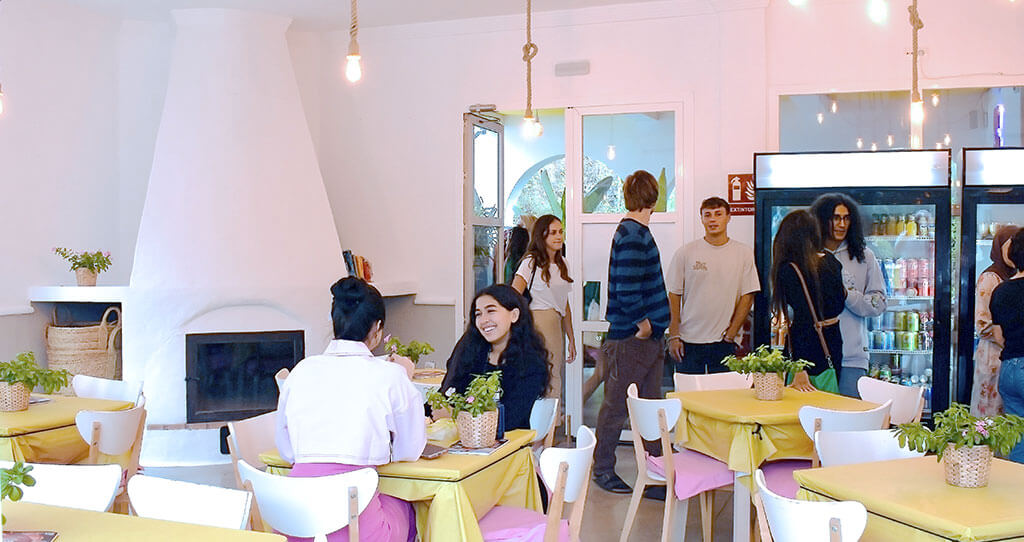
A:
x: 230, y: 376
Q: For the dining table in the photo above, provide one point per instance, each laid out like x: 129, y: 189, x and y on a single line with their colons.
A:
x: 909, y: 500
x: 737, y: 428
x: 46, y: 432
x: 451, y: 492
x: 74, y: 525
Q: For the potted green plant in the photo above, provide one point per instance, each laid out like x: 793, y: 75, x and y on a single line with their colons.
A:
x: 475, y: 412
x: 964, y: 443
x: 11, y: 481
x: 414, y: 350
x: 768, y: 367
x: 85, y: 264
x: 19, y: 376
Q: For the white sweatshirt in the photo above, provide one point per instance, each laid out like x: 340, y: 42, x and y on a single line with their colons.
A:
x: 865, y: 298
x: 346, y: 406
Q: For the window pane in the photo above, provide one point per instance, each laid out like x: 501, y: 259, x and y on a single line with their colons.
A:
x: 615, y: 146
x: 485, y: 248
x: 485, y: 172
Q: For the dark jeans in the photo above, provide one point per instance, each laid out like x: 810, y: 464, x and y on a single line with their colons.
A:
x: 627, y: 361
x: 1011, y: 387
x: 704, y: 358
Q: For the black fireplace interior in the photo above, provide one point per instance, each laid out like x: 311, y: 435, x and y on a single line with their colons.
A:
x: 230, y: 376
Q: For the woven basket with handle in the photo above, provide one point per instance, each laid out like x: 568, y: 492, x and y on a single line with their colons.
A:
x: 768, y: 386
x: 968, y: 466
x: 87, y: 350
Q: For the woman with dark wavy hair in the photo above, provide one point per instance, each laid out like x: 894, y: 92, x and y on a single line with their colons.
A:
x: 501, y: 337
x: 795, y: 254
x: 842, y: 235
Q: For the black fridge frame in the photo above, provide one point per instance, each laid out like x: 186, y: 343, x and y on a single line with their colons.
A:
x: 939, y: 196
x: 970, y: 198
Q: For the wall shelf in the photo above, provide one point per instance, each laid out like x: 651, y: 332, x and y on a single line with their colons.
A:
x: 77, y: 294
x: 395, y: 288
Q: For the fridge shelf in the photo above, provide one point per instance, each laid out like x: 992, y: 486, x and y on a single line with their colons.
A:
x: 887, y: 351
x: 900, y: 238
x: 984, y: 241
x: 909, y: 298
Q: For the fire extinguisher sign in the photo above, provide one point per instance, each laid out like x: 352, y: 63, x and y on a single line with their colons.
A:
x: 740, y: 190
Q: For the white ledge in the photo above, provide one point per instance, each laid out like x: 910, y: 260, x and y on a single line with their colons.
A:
x: 16, y: 310
x: 395, y: 288
x: 77, y: 294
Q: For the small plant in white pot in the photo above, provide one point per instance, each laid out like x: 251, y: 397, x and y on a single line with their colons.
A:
x: 21, y: 375
x: 768, y: 367
x: 85, y: 264
x: 964, y: 443
x: 475, y: 412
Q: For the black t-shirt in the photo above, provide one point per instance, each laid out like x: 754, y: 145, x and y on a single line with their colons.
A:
x: 804, y: 342
x: 522, y: 383
x: 1007, y: 306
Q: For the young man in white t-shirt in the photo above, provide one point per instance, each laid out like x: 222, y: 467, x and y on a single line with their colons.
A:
x: 711, y: 285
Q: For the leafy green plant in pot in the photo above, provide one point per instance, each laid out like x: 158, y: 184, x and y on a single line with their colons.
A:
x: 964, y: 443
x: 475, y: 411
x: 768, y: 367
x: 21, y: 375
x: 414, y: 350
x: 85, y: 264
x: 11, y: 481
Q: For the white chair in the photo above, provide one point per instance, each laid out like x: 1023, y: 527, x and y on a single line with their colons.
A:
x: 248, y: 438
x: 311, y: 507
x: 790, y: 520
x: 103, y: 388
x: 713, y: 381
x: 543, y: 416
x: 689, y: 473
x: 87, y: 487
x: 185, y: 502
x: 567, y: 472
x: 779, y: 474
x: 907, y: 401
x: 280, y: 377
x: 114, y: 433
x: 848, y: 447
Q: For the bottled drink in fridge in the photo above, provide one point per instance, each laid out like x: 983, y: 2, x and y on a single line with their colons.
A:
x: 913, y: 277
x: 911, y: 225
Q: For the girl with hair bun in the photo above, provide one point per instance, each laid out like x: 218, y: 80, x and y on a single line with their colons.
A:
x: 346, y: 410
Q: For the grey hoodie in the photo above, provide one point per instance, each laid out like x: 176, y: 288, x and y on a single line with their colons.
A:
x: 865, y: 298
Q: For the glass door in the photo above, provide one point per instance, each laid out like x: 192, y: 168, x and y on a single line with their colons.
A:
x: 483, y: 211
x: 605, y: 145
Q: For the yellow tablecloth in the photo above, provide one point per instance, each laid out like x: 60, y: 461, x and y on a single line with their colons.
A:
x: 46, y: 433
x: 449, y: 493
x: 735, y: 427
x: 909, y: 500
x: 74, y: 525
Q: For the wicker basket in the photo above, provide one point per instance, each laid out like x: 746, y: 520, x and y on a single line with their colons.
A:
x: 968, y: 466
x: 13, y: 397
x: 477, y: 431
x: 88, y: 350
x: 85, y: 277
x: 768, y: 386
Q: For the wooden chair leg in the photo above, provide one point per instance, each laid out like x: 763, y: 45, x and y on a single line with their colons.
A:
x: 353, y: 514
x: 680, y: 516
x: 634, y: 504
x: 707, y: 515
x: 670, y: 512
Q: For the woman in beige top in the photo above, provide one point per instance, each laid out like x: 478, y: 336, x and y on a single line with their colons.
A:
x: 985, y: 400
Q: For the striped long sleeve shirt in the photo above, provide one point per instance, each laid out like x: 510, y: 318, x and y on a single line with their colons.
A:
x: 636, y: 286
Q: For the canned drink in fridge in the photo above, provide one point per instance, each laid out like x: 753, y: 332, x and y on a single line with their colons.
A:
x: 890, y: 340
x: 901, y: 340
x: 910, y: 342
x: 899, y: 279
x: 913, y: 321
x: 901, y: 320
x: 877, y: 323
x: 925, y: 288
x: 912, y: 268
x: 889, y: 320
x: 922, y: 341
x: 878, y: 340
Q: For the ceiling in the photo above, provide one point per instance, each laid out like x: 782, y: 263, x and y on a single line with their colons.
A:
x: 326, y: 14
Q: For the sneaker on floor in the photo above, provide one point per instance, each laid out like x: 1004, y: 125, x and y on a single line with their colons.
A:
x: 656, y: 493
x: 611, y: 482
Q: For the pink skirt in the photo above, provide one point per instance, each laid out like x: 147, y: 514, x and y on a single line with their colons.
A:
x: 385, y: 519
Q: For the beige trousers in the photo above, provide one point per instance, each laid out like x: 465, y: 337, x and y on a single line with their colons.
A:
x: 549, y: 324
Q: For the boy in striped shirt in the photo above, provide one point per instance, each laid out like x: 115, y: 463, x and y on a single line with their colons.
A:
x: 638, y: 314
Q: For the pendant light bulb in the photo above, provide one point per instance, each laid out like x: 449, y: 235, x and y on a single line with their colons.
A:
x: 611, y: 152
x: 935, y: 99
x: 917, y: 112
x: 532, y: 128
x: 835, y: 107
x: 878, y: 11
x: 890, y: 139
x: 860, y: 143
x: 874, y: 146
x: 353, y: 70
x: 821, y: 118
x: 947, y: 140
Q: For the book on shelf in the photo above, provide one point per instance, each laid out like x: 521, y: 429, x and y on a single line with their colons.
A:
x: 357, y: 266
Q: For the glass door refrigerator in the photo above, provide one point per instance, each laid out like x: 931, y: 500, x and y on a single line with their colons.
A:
x: 904, y: 199
x: 993, y: 196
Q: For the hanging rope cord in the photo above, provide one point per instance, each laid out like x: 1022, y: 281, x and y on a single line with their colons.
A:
x: 529, y: 51
x: 916, y: 24
x: 353, y: 27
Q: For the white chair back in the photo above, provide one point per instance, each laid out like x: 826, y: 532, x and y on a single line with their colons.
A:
x: 907, y: 401
x: 713, y: 381
x: 103, y: 388
x: 280, y: 377
x: 542, y: 418
x: 579, y: 460
x: 848, y: 447
x: 803, y: 521
x: 310, y: 507
x: 87, y: 487
x: 185, y: 502
x: 646, y: 419
x: 841, y: 420
x: 118, y: 430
